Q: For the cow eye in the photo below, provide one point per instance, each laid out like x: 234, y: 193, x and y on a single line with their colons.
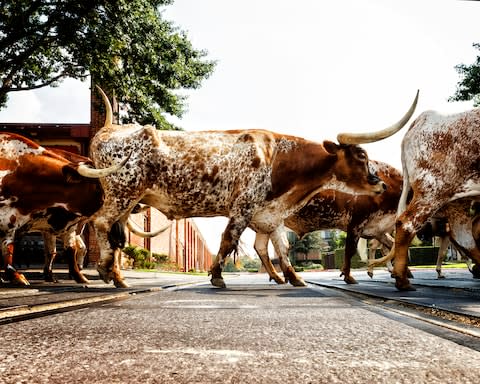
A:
x: 362, y: 155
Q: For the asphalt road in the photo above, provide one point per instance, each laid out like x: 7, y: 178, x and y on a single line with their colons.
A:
x: 251, y: 332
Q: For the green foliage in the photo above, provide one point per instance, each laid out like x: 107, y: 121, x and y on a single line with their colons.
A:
x: 125, y: 45
x: 468, y: 87
x: 356, y: 262
x: 423, y: 255
x: 142, y: 259
x: 311, y: 241
x: 339, y: 239
x: 251, y: 264
x: 242, y: 264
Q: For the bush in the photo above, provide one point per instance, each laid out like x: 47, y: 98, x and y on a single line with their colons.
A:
x: 355, y: 263
x: 142, y: 260
x: 423, y: 255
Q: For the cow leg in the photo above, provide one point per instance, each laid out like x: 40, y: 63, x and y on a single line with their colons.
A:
x: 11, y: 273
x: 117, y: 240
x: 261, y: 247
x: 71, y: 251
x: 406, y: 226
x: 377, y: 262
x: 350, y: 249
x: 110, y: 239
x: 442, y: 251
x: 475, y: 270
x: 49, y: 242
x: 464, y: 235
x: 81, y: 251
x: 230, y: 238
x: 281, y: 245
x: 374, y: 245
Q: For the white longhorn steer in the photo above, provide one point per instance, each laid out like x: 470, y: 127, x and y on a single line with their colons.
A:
x: 441, y: 164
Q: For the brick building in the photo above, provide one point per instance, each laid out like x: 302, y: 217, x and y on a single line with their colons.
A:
x: 182, y: 242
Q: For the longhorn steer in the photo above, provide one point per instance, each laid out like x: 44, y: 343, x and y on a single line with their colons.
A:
x: 40, y: 190
x: 254, y: 177
x: 358, y: 215
x: 440, y: 161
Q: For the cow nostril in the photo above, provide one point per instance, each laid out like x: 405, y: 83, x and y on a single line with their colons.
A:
x: 385, y: 186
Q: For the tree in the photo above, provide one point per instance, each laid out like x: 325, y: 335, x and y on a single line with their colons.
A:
x: 125, y: 45
x: 311, y: 241
x: 468, y: 87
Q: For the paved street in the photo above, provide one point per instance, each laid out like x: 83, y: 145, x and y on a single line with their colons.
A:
x: 251, y: 332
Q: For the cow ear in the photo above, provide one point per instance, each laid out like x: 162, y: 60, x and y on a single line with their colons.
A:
x: 71, y: 175
x: 330, y: 147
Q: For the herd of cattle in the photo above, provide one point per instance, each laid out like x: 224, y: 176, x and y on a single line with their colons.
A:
x: 256, y: 178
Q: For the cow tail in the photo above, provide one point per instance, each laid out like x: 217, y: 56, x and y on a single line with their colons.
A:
x: 402, y: 203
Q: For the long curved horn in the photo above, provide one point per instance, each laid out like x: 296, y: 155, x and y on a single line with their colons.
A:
x: 94, y: 173
x: 364, y: 138
x: 108, y: 108
x: 137, y: 231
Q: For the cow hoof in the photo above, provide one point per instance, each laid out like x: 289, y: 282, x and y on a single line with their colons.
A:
x: 84, y: 280
x: 218, y: 282
x: 298, y: 283
x: 370, y: 273
x: 50, y: 279
x: 475, y: 271
x: 277, y: 280
x: 80, y: 279
x: 441, y: 277
x: 404, y: 287
x: 120, y: 284
x: 350, y: 280
x: 20, y: 279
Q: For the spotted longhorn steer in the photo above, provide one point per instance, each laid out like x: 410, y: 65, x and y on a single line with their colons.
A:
x: 359, y: 215
x: 254, y: 177
x: 40, y: 190
x: 440, y: 161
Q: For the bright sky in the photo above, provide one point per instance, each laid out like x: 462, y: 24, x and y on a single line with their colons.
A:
x: 308, y: 68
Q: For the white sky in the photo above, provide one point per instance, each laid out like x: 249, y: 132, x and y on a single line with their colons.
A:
x: 308, y: 68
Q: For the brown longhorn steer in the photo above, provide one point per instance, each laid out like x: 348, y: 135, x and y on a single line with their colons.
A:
x: 254, y: 177
x: 367, y: 216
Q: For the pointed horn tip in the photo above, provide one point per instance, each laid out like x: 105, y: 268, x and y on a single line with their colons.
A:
x: 108, y: 106
x: 362, y: 138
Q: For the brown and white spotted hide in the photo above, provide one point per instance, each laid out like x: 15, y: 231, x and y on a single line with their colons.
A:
x: 42, y: 191
x: 440, y: 161
x: 255, y: 178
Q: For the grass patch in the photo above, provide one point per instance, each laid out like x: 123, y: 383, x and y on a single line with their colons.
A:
x: 445, y: 265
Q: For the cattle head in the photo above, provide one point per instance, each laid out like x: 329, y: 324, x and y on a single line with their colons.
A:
x: 352, y: 168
